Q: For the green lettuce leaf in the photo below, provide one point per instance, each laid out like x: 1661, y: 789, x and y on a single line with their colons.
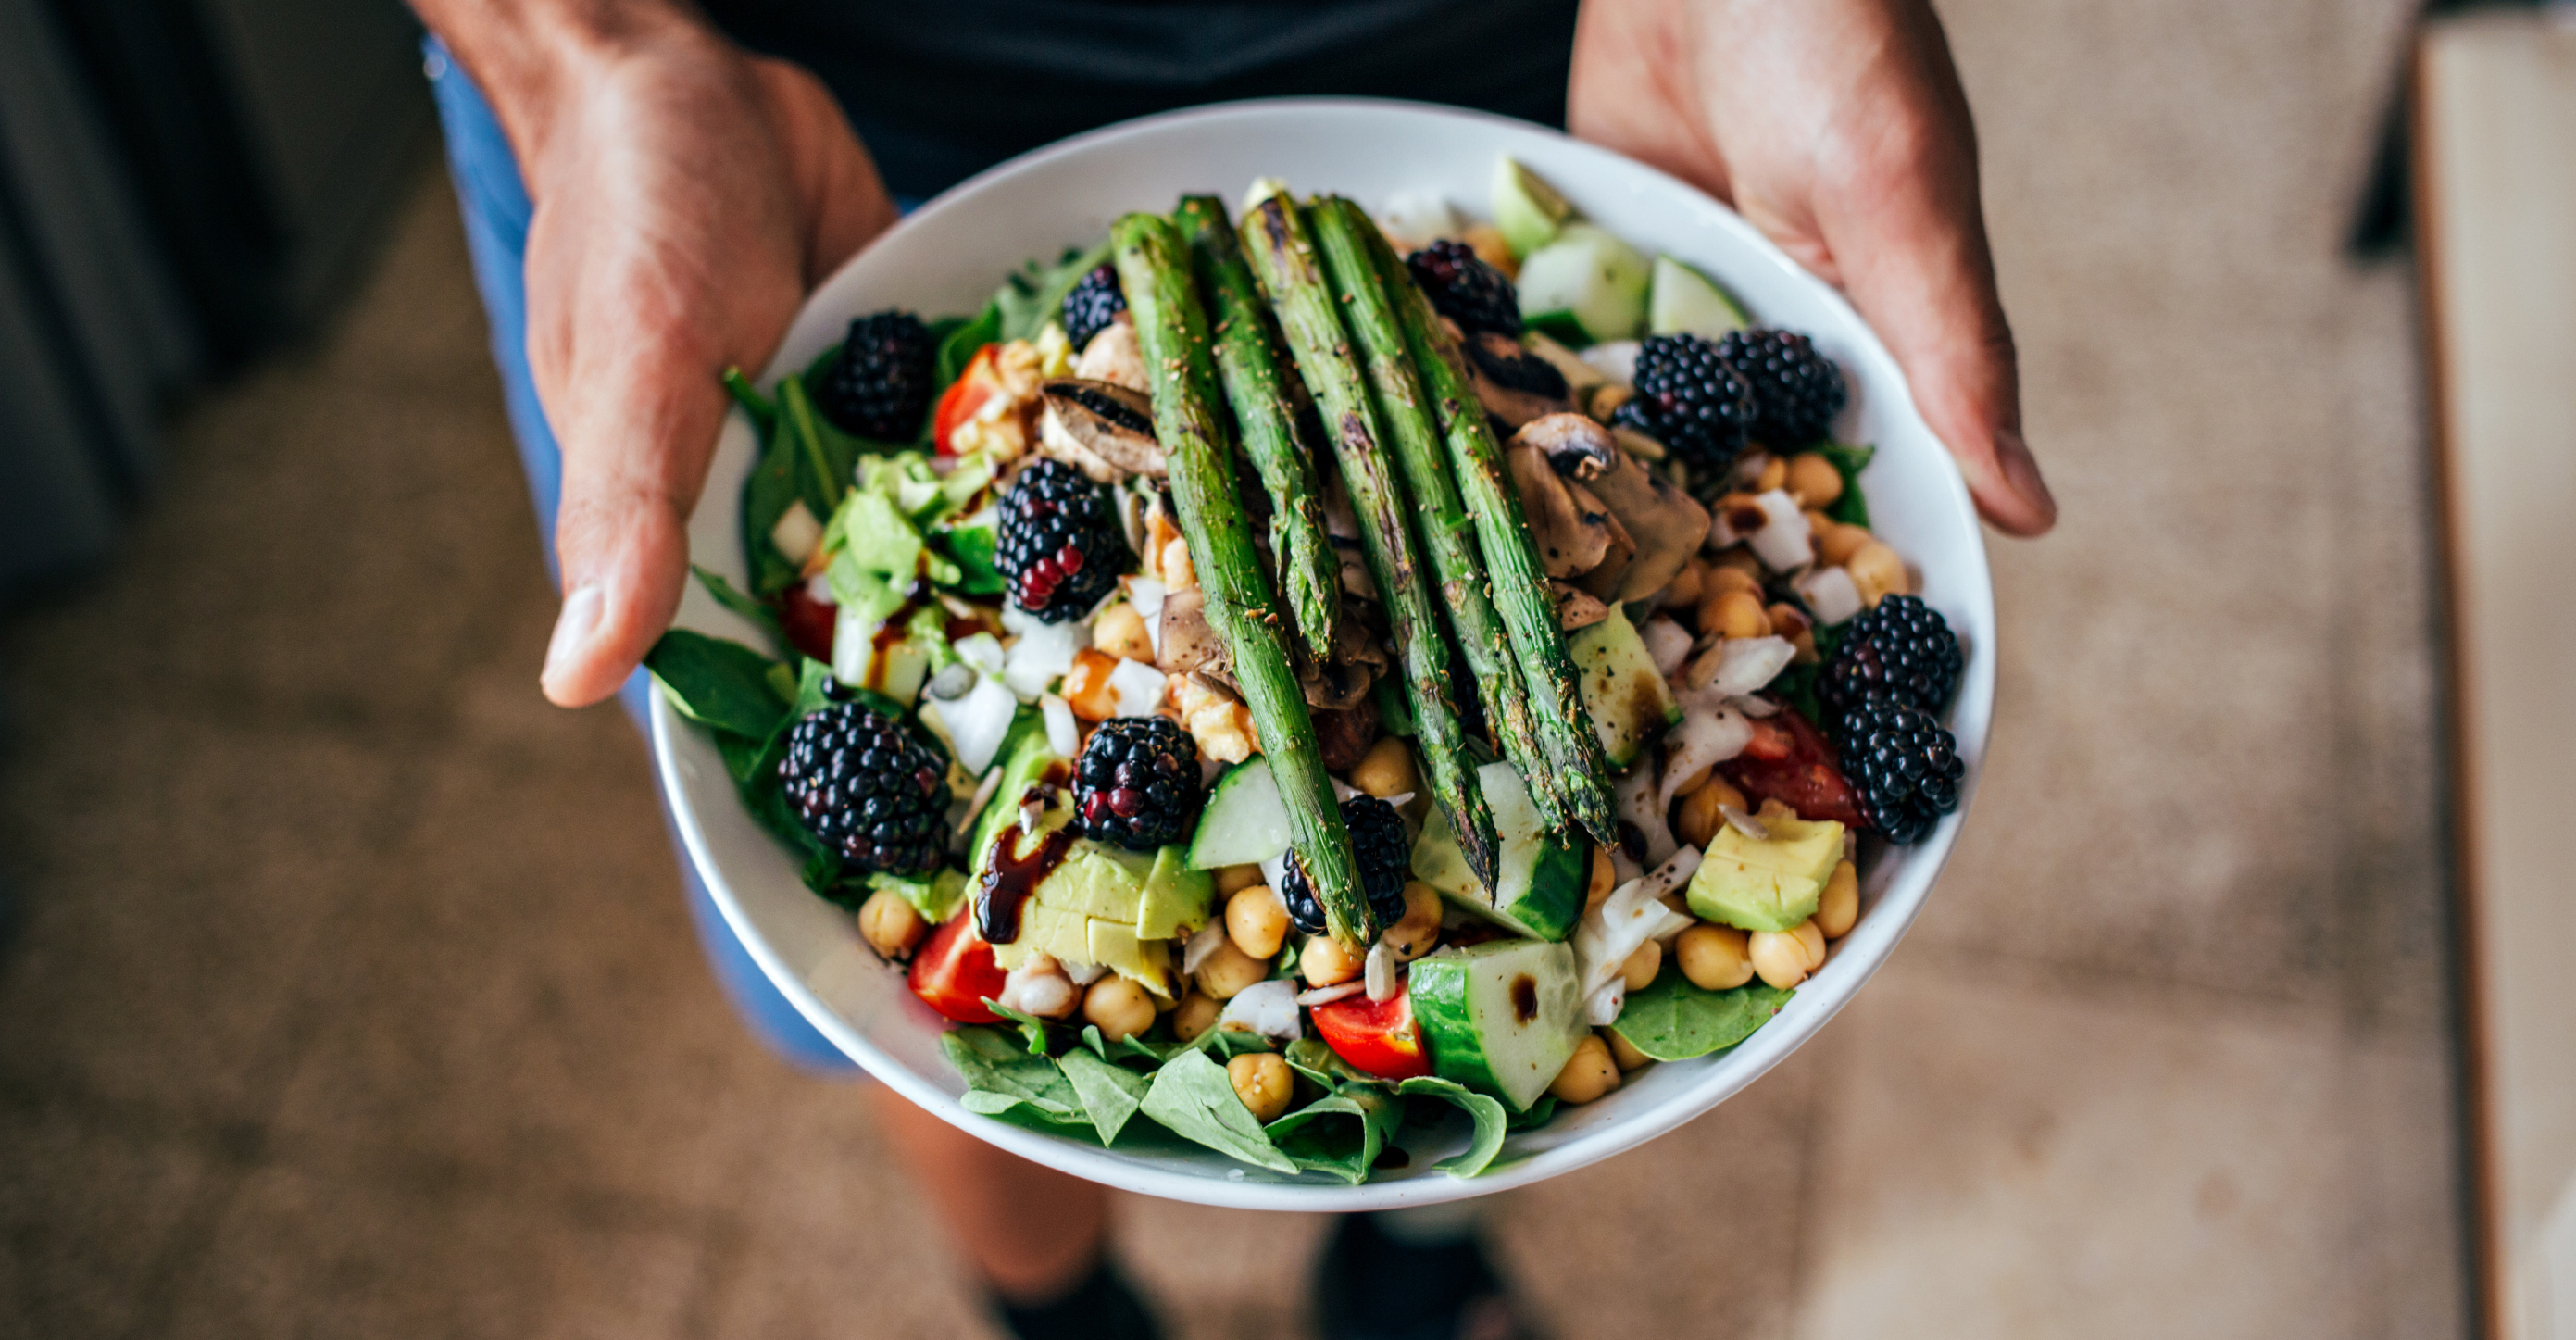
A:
x: 1487, y: 1113
x: 719, y: 683
x: 1192, y: 1098
x: 1004, y: 1081
x: 1341, y: 1133
x: 1110, y: 1094
x: 1674, y: 1020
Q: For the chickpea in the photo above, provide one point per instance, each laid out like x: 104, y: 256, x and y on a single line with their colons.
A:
x: 1789, y: 621
x: 1264, y: 1082
x: 1325, y: 963
x: 1589, y: 1074
x: 1195, y: 1014
x: 1734, y: 613
x: 1836, y: 542
x: 1713, y: 957
x: 1419, y: 930
x: 1784, y: 958
x: 1641, y: 967
x: 1229, y: 970
x: 1683, y: 591
x: 1120, y: 631
x: 1813, y: 480
x: 1604, y: 877
x: 1178, y: 575
x: 1235, y: 879
x: 1387, y: 769
x: 1605, y: 400
x: 1718, y: 577
x: 1878, y: 572
x: 1257, y: 921
x: 1742, y: 560
x: 1624, y: 1053
x: 1119, y: 1007
x: 1487, y: 242
x: 1840, y: 905
x: 1697, y: 819
x: 1086, y: 685
x: 889, y: 924
x: 1774, y: 474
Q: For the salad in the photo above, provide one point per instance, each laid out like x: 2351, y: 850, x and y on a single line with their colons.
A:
x: 1269, y: 682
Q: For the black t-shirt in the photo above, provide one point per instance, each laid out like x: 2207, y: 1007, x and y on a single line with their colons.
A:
x: 942, y: 90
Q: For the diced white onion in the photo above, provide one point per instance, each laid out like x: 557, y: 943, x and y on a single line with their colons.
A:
x: 1146, y: 594
x: 1740, y: 665
x: 1637, y: 805
x: 1786, y: 540
x: 1668, y: 644
x: 1042, y: 655
x: 1673, y: 874
x: 1063, y: 736
x: 975, y: 807
x: 1274, y: 872
x: 1602, y: 1008
x: 1415, y: 218
x: 1084, y: 974
x: 1705, y: 740
x: 818, y: 588
x: 1202, y: 945
x: 854, y: 644
x: 1609, y: 933
x: 1326, y: 995
x: 1136, y: 688
x: 982, y: 651
x: 1378, y: 973
x: 951, y: 683
x: 1754, y: 706
x: 1616, y: 360
x: 1342, y: 790
x: 978, y: 721
x: 1267, y: 1008
x: 1829, y: 592
x: 796, y: 533
x: 1744, y: 823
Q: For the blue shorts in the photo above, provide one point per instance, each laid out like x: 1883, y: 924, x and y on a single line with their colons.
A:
x: 495, y: 204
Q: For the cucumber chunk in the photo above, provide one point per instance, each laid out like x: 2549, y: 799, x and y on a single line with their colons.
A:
x: 1542, y: 878
x: 1245, y: 822
x: 1587, y: 279
x: 1630, y: 704
x: 1527, y: 211
x: 1684, y: 301
x: 1501, y: 1017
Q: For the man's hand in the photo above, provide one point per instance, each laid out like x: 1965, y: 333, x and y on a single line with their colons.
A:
x: 1839, y: 129
x: 687, y: 196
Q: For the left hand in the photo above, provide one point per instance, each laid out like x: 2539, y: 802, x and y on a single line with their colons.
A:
x: 1839, y: 129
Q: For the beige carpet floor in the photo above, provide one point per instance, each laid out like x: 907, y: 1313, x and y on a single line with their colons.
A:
x: 354, y: 994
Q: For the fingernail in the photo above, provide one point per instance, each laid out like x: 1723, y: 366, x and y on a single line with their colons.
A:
x: 2021, y: 470
x: 573, y: 628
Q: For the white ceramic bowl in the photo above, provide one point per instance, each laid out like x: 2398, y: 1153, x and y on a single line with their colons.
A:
x: 950, y: 255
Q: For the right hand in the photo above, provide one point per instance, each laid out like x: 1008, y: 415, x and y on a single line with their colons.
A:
x: 687, y: 195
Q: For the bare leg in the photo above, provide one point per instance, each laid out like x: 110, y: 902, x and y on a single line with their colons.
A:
x: 1032, y: 1233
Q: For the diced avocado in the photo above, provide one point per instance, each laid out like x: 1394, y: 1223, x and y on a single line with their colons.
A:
x: 1176, y: 897
x: 1502, y: 1017
x: 1681, y: 300
x: 1770, y: 884
x: 1026, y: 758
x: 1527, y: 211
x: 1245, y: 822
x: 1542, y: 878
x: 1095, y: 881
x: 1630, y: 704
x: 1589, y: 279
x: 936, y: 897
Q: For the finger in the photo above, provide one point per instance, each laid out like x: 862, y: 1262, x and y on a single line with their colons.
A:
x: 1901, y: 218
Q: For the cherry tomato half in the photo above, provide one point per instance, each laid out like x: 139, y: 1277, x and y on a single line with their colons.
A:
x: 808, y: 622
x: 1377, y: 1036
x: 977, y: 384
x: 1795, y: 767
x: 954, y: 973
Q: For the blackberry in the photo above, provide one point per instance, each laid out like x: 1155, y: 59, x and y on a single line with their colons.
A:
x: 1384, y: 850
x: 1137, y: 783
x: 1062, y: 548
x: 878, y: 386
x: 1903, y: 650
x: 868, y: 789
x: 1506, y: 363
x: 1465, y: 289
x: 1091, y: 305
x: 1796, y: 391
x: 1905, y: 766
x: 1689, y: 400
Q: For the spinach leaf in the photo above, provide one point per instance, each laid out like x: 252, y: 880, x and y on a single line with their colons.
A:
x: 1003, y: 1081
x: 827, y: 459
x: 1032, y: 1028
x: 1851, y: 509
x: 1127, y: 1048
x: 1537, y: 1116
x: 766, y: 496
x: 762, y: 410
x: 1485, y: 1111
x: 1797, y: 684
x: 1110, y: 1094
x: 1194, y: 1100
x: 1673, y: 1020
x: 1394, y: 710
x: 1034, y: 295
x: 721, y: 684
x: 960, y: 339
x: 1340, y: 1133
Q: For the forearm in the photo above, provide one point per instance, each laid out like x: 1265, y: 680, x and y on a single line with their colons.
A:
x: 528, y: 55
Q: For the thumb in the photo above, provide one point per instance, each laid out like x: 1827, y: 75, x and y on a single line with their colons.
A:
x: 621, y: 538
x: 1909, y: 237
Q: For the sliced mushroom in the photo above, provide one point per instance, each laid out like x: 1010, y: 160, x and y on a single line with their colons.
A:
x: 1571, y: 526
x: 1093, y: 423
x: 1115, y: 356
x: 1513, y: 384
x: 1343, y: 735
x: 1188, y: 643
x: 1576, y: 607
x: 1662, y: 523
x: 1342, y: 682
x: 1575, y: 446
x: 1608, y: 575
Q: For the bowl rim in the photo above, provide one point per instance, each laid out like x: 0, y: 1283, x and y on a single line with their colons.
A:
x: 1869, y: 944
